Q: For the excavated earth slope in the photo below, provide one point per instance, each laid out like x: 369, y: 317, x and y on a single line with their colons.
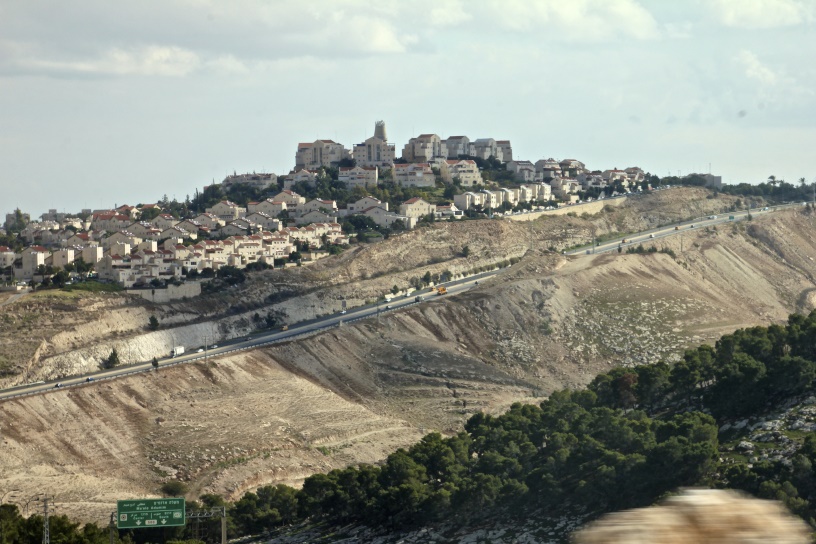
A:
x: 357, y: 392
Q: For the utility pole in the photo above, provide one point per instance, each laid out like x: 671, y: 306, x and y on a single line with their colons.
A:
x: 46, y: 530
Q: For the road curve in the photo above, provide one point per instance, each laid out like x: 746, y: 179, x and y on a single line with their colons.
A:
x: 252, y: 341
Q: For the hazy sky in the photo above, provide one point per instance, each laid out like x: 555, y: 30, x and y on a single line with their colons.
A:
x: 106, y: 103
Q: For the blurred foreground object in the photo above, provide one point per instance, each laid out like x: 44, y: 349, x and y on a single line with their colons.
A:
x: 702, y: 516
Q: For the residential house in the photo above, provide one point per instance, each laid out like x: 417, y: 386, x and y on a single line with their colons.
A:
x: 130, y: 211
x: 611, y: 176
x: 309, y: 177
x: 635, y: 174
x: 548, y: 168
x: 572, y: 167
x: 226, y: 210
x: 164, y: 221
x: 270, y: 207
x: 563, y: 188
x: 81, y: 239
x: 313, y: 216
x: 61, y: 257
x: 7, y: 257
x: 192, y: 225
x: 414, y: 175
x: 492, y: 200
x: 365, y: 203
x: 523, y: 171
x: 92, y: 254
x: 210, y: 220
x: 384, y: 218
x: 592, y: 180
x: 469, y: 200
x: 359, y: 176
x: 464, y: 171
x: 326, y: 206
x: 535, y: 192
x: 31, y: 259
x: 417, y: 207
x: 292, y: 199
x: 143, y: 229
x: 238, y: 227
x: 123, y: 237
x: 264, y: 220
x: 448, y: 211
x: 109, y: 221
x: 176, y: 232
x: 320, y: 153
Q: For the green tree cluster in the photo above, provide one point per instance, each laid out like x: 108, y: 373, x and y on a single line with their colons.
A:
x: 570, y: 448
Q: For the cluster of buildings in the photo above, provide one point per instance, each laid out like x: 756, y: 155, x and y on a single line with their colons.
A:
x: 453, y: 158
x: 133, y: 245
x: 376, y: 158
x: 130, y: 251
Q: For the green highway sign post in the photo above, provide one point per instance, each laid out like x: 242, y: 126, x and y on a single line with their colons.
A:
x: 140, y: 513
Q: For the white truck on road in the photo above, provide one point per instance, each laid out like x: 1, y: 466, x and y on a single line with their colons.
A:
x: 176, y: 351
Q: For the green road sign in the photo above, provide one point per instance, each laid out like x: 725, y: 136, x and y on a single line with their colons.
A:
x: 139, y: 513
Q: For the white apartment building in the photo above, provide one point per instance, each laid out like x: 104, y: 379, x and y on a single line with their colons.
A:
x: 469, y: 200
x: 313, y: 155
x: 7, y: 257
x: 457, y: 145
x: 414, y: 175
x: 522, y: 170
x: 484, y: 148
x: 417, y: 207
x: 358, y: 176
x: 424, y: 148
x: 506, y: 150
x: 465, y: 171
x: 375, y: 151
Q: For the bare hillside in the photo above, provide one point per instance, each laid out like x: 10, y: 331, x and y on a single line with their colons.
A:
x: 355, y: 393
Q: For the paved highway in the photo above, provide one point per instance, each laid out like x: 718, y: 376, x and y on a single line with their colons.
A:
x: 675, y: 229
x: 254, y: 340
x: 364, y: 312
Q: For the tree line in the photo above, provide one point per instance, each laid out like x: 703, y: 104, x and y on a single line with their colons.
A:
x: 628, y: 438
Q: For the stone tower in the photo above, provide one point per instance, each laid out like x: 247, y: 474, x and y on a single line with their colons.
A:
x: 379, y: 131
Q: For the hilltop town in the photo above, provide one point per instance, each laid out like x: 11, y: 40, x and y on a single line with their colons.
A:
x: 333, y: 197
